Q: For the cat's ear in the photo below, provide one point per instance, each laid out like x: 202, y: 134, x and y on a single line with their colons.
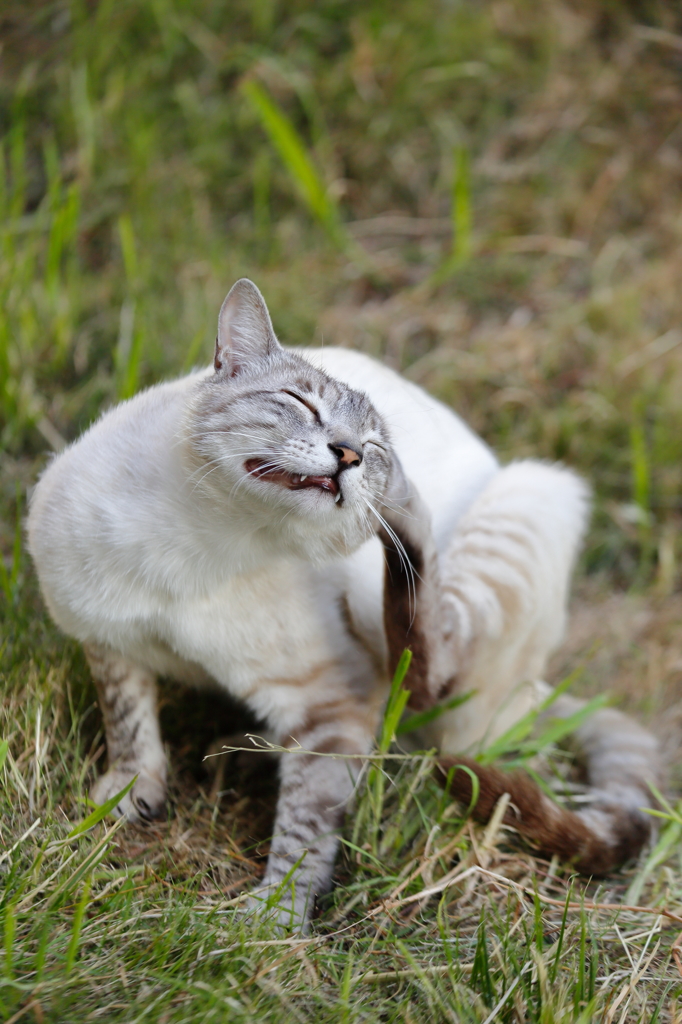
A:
x: 244, y: 329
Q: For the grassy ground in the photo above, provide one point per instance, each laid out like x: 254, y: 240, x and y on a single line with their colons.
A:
x: 487, y: 196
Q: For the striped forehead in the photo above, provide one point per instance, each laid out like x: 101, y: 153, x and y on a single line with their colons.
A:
x: 333, y: 395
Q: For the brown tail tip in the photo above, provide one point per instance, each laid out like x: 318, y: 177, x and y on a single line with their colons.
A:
x: 594, y: 842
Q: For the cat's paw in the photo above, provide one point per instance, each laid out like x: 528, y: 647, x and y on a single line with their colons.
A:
x: 146, y: 801
x: 287, y: 911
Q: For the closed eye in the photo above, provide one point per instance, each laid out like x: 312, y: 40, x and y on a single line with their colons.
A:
x: 303, y: 401
x: 375, y: 443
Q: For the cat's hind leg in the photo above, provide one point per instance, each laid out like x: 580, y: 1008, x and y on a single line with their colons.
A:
x: 127, y: 698
x: 504, y: 584
x: 506, y: 575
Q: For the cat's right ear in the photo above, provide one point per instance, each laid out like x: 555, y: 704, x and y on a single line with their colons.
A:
x: 244, y: 329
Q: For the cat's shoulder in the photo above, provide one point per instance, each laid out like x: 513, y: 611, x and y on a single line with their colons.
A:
x: 141, y: 417
x: 154, y: 401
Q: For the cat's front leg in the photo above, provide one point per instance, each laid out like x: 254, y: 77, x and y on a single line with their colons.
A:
x: 127, y: 698
x: 317, y: 783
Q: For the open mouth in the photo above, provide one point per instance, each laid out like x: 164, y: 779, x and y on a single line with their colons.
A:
x: 292, y: 481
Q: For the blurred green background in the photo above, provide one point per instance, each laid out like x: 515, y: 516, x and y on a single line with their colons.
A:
x: 484, y: 194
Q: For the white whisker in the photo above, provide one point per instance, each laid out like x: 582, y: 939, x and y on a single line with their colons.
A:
x: 398, y: 509
x: 404, y: 561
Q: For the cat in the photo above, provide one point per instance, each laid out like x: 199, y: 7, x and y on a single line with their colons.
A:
x: 283, y: 524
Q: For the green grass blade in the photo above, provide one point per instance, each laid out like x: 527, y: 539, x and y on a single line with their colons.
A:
x: 345, y: 989
x: 659, y: 1005
x: 481, y: 968
x: 562, y: 934
x: 10, y: 927
x: 475, y: 784
x: 668, y: 840
x: 461, y: 208
x: 62, y: 231
x: 128, y: 250
x: 395, y: 706
x: 397, y: 701
x: 128, y: 352
x: 77, y: 925
x: 460, y: 219
x: 557, y: 729
x: 512, y: 739
x: 43, y: 943
x: 17, y: 163
x: 641, y: 476
x: 423, y: 718
x: 130, y: 342
x: 101, y: 811
x: 292, y: 150
x: 83, y: 868
x: 131, y: 376
x: 4, y: 194
x: 670, y: 812
x: 5, y: 581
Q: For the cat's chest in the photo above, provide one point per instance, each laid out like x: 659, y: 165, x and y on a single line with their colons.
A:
x: 269, y: 624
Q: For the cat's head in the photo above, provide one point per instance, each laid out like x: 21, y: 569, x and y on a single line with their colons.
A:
x: 301, y: 457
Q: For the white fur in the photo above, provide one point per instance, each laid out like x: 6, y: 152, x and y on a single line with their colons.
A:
x: 132, y: 556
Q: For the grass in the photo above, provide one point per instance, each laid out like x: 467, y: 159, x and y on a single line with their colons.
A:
x: 486, y: 196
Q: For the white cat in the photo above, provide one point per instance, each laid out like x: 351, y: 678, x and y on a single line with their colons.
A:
x: 234, y: 526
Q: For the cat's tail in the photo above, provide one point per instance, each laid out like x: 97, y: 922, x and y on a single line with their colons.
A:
x: 621, y: 760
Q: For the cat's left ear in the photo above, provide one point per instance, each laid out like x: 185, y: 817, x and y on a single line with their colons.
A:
x: 244, y: 329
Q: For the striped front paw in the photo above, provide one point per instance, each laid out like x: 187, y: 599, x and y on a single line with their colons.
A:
x: 146, y: 801
x: 286, y: 904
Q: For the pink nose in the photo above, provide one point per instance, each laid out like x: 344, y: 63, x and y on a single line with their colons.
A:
x: 346, y: 455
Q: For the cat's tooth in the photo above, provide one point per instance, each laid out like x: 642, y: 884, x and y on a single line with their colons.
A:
x: 337, y: 499
x: 304, y: 477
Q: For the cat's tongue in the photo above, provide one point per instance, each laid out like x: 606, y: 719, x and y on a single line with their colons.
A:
x: 293, y: 481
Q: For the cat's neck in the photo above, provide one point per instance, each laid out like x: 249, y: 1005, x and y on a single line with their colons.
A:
x: 222, y: 539
x: 206, y: 539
